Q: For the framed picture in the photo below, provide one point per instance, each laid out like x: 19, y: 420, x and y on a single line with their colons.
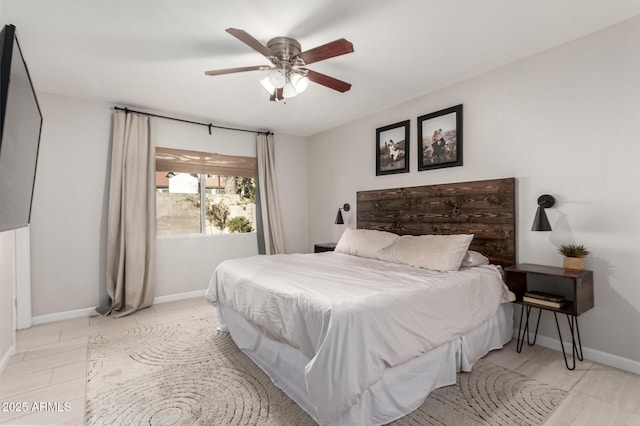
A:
x: 392, y: 149
x: 440, y: 139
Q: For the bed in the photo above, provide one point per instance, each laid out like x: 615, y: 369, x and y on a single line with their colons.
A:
x: 357, y: 338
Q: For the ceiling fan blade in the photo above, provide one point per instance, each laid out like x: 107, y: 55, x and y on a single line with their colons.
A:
x: 238, y: 69
x: 247, y: 39
x: 330, y: 82
x: 326, y: 51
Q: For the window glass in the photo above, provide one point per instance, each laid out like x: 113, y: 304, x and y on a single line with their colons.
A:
x: 229, y: 204
x: 177, y: 203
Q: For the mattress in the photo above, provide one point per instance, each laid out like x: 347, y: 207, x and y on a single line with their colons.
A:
x: 353, y: 318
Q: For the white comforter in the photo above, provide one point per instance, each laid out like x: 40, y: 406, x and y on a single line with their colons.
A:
x: 353, y: 317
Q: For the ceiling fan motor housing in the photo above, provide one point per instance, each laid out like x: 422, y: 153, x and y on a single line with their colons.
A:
x: 283, y: 49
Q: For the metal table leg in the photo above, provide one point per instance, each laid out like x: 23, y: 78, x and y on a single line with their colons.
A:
x: 576, y: 349
x: 520, y: 341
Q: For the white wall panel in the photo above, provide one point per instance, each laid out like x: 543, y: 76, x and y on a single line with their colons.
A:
x: 7, y: 284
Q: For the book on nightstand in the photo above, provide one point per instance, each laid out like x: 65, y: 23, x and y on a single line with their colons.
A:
x: 542, y: 302
x: 544, y: 299
x: 544, y: 296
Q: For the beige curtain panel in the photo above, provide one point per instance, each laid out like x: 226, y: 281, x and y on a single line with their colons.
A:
x: 183, y: 161
x: 270, y: 210
x: 131, y: 228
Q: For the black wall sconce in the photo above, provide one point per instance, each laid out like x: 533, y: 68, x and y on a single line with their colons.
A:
x: 540, y: 222
x: 339, y: 220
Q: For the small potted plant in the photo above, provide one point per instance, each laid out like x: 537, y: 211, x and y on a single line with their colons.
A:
x: 574, y: 255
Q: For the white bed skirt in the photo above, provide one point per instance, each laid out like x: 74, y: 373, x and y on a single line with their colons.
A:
x: 401, y: 389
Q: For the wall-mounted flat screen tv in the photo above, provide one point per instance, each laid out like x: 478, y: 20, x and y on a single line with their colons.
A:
x: 20, y: 126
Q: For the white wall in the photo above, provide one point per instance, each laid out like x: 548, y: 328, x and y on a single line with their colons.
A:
x: 68, y: 218
x: 565, y: 122
x: 68, y: 230
x: 7, y: 283
x: 291, y: 176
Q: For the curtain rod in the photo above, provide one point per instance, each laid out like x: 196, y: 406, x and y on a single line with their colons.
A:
x: 209, y: 125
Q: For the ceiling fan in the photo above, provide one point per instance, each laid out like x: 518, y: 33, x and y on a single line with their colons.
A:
x: 288, y: 74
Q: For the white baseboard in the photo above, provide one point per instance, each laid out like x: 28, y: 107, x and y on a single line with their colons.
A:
x: 179, y: 296
x: 4, y: 361
x: 590, y: 354
x: 59, y: 316
x: 87, y: 312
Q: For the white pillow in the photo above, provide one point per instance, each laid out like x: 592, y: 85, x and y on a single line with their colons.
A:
x: 364, y: 242
x: 438, y: 252
x: 473, y: 258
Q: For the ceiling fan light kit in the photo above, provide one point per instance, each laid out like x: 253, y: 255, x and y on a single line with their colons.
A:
x: 296, y: 84
x: 292, y: 85
x: 268, y: 86
x: 288, y: 76
x: 277, y: 79
x: 288, y: 91
x: 300, y: 82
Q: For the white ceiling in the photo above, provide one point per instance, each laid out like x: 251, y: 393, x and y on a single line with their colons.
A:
x: 152, y: 54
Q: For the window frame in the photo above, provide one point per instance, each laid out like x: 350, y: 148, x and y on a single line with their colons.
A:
x: 204, y: 164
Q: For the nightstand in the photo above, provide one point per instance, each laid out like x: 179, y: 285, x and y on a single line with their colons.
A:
x: 581, y: 300
x: 322, y: 247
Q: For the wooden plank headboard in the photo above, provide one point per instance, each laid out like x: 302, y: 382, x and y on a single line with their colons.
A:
x: 485, y: 208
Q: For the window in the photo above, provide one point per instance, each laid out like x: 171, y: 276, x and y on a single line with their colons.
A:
x: 205, y: 193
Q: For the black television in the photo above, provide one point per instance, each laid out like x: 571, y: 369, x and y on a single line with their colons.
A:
x: 20, y: 128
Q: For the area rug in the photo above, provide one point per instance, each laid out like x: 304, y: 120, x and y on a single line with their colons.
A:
x: 184, y: 372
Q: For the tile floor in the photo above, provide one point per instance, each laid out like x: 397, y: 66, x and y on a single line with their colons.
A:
x: 51, y: 362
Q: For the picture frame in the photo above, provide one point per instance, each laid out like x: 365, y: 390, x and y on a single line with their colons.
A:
x: 440, y: 139
x: 392, y: 148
